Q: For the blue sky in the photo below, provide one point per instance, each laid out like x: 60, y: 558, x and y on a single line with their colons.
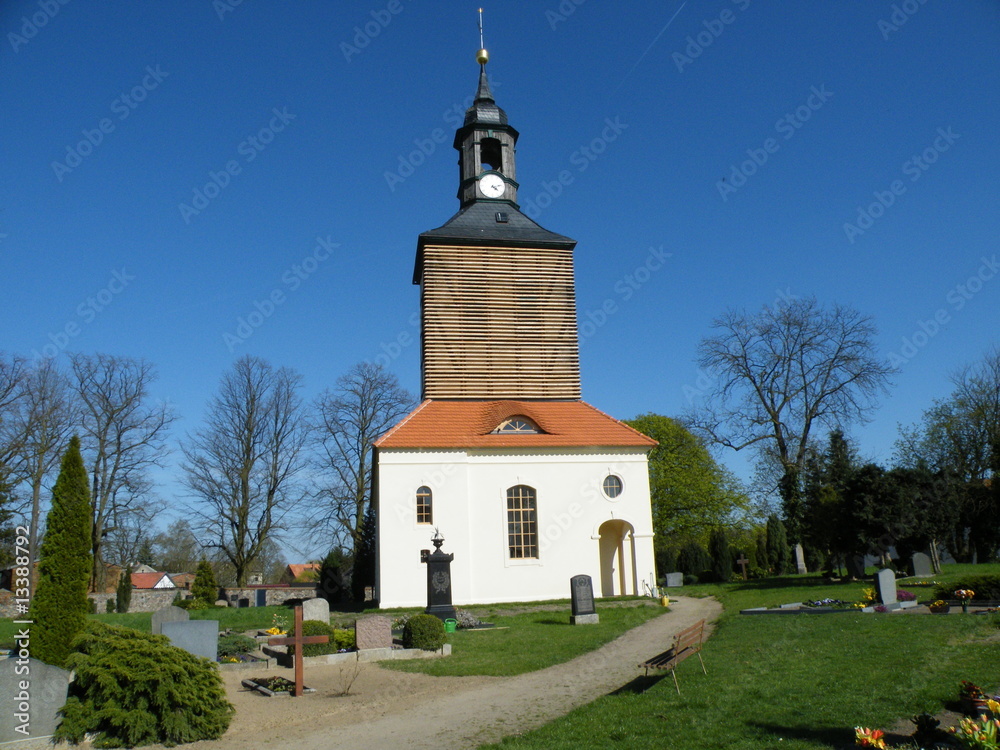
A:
x: 318, y: 137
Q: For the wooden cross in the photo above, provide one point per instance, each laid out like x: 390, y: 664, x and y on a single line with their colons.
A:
x: 298, y: 640
x: 743, y: 562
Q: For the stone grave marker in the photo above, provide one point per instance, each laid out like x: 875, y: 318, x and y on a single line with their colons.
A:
x: 743, y: 562
x: 800, y: 560
x: 581, y: 589
x: 885, y: 586
x: 167, y: 614
x: 28, y: 711
x: 316, y: 609
x: 674, y: 580
x: 921, y: 564
x: 373, y: 631
x: 221, y: 602
x: 198, y: 637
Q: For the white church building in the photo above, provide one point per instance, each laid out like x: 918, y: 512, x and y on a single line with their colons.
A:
x: 528, y: 484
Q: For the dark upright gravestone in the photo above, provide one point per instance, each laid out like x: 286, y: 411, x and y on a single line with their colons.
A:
x: 438, y: 580
x: 921, y: 564
x: 167, y: 614
x: 581, y: 590
x: 198, y: 637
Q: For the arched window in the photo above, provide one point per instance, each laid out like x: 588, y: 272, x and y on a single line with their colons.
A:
x: 522, y: 522
x: 424, y: 511
x: 521, y: 425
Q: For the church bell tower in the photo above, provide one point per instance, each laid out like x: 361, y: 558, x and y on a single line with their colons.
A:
x: 498, y: 306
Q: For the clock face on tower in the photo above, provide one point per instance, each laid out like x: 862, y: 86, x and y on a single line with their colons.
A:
x: 491, y: 185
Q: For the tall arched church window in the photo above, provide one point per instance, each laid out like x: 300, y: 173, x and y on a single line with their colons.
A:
x: 424, y: 510
x: 522, y: 522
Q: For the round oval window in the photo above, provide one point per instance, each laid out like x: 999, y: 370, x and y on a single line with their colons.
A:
x: 612, y: 486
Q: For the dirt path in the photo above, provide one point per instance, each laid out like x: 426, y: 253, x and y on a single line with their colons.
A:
x: 388, y: 709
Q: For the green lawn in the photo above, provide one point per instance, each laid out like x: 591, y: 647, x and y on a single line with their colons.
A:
x: 791, y: 681
x: 530, y: 641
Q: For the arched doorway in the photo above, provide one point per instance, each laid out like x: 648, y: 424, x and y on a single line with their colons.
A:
x: 617, y: 559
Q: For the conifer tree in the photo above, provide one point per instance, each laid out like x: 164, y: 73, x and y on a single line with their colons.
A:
x: 722, y: 558
x: 123, y: 594
x: 204, y: 588
x: 778, y: 551
x: 59, y: 608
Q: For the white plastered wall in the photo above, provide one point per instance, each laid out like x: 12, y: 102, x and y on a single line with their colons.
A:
x: 470, y: 508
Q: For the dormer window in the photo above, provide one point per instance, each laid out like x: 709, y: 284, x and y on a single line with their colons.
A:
x: 517, y: 425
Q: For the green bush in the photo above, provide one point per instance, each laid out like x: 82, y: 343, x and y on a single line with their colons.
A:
x: 204, y: 588
x: 191, y: 603
x: 234, y: 643
x: 423, y: 631
x: 987, y: 588
x: 109, y: 606
x: 133, y: 688
x: 123, y: 593
x: 339, y: 639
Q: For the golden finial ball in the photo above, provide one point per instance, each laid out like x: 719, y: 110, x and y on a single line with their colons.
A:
x: 482, y: 57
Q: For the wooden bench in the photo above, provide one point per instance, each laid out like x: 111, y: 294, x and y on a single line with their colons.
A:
x: 686, y: 643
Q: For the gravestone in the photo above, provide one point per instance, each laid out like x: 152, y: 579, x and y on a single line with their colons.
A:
x: 743, y: 562
x: 221, y: 603
x: 581, y: 590
x: 167, y: 614
x: 316, y: 609
x: 28, y: 707
x: 438, y: 580
x: 198, y: 637
x: 885, y: 586
x: 674, y: 580
x: 373, y: 631
x: 800, y: 560
x: 298, y: 640
x: 921, y: 564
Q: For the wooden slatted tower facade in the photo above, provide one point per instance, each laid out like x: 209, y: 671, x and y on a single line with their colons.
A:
x: 498, y: 306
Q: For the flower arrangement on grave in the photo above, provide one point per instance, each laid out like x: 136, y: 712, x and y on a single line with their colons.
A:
x: 865, y: 737
x: 905, y: 596
x: 938, y: 606
x: 279, y: 625
x: 970, y: 690
x: 979, y: 734
x: 966, y: 596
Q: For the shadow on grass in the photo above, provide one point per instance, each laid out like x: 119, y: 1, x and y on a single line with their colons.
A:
x: 550, y: 621
x: 639, y: 685
x: 761, y: 584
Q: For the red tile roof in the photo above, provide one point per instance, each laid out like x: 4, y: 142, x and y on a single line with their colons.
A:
x: 469, y: 424
x: 148, y: 580
x: 297, y: 570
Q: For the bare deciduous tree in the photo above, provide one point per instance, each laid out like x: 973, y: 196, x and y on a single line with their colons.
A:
x: 124, y: 436
x: 781, y: 372
x: 44, y: 421
x: 242, y: 468
x: 366, y: 402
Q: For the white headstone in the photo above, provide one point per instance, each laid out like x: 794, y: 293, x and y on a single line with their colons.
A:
x: 800, y: 560
x: 316, y: 609
x: 885, y: 586
x: 922, y: 566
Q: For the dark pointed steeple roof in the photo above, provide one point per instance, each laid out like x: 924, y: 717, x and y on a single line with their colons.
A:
x: 484, y: 110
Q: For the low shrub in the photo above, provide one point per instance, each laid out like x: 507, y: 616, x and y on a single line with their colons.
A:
x: 192, y: 604
x: 423, y: 631
x: 987, y: 588
x: 340, y: 640
x: 109, y: 606
x: 234, y: 643
x: 134, y: 688
x: 690, y: 580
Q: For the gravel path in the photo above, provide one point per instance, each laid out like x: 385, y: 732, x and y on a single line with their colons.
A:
x: 388, y: 709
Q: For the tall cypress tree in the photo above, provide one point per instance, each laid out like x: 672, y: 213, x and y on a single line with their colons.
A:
x: 59, y: 608
x: 777, y: 546
x: 204, y: 587
x: 123, y: 594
